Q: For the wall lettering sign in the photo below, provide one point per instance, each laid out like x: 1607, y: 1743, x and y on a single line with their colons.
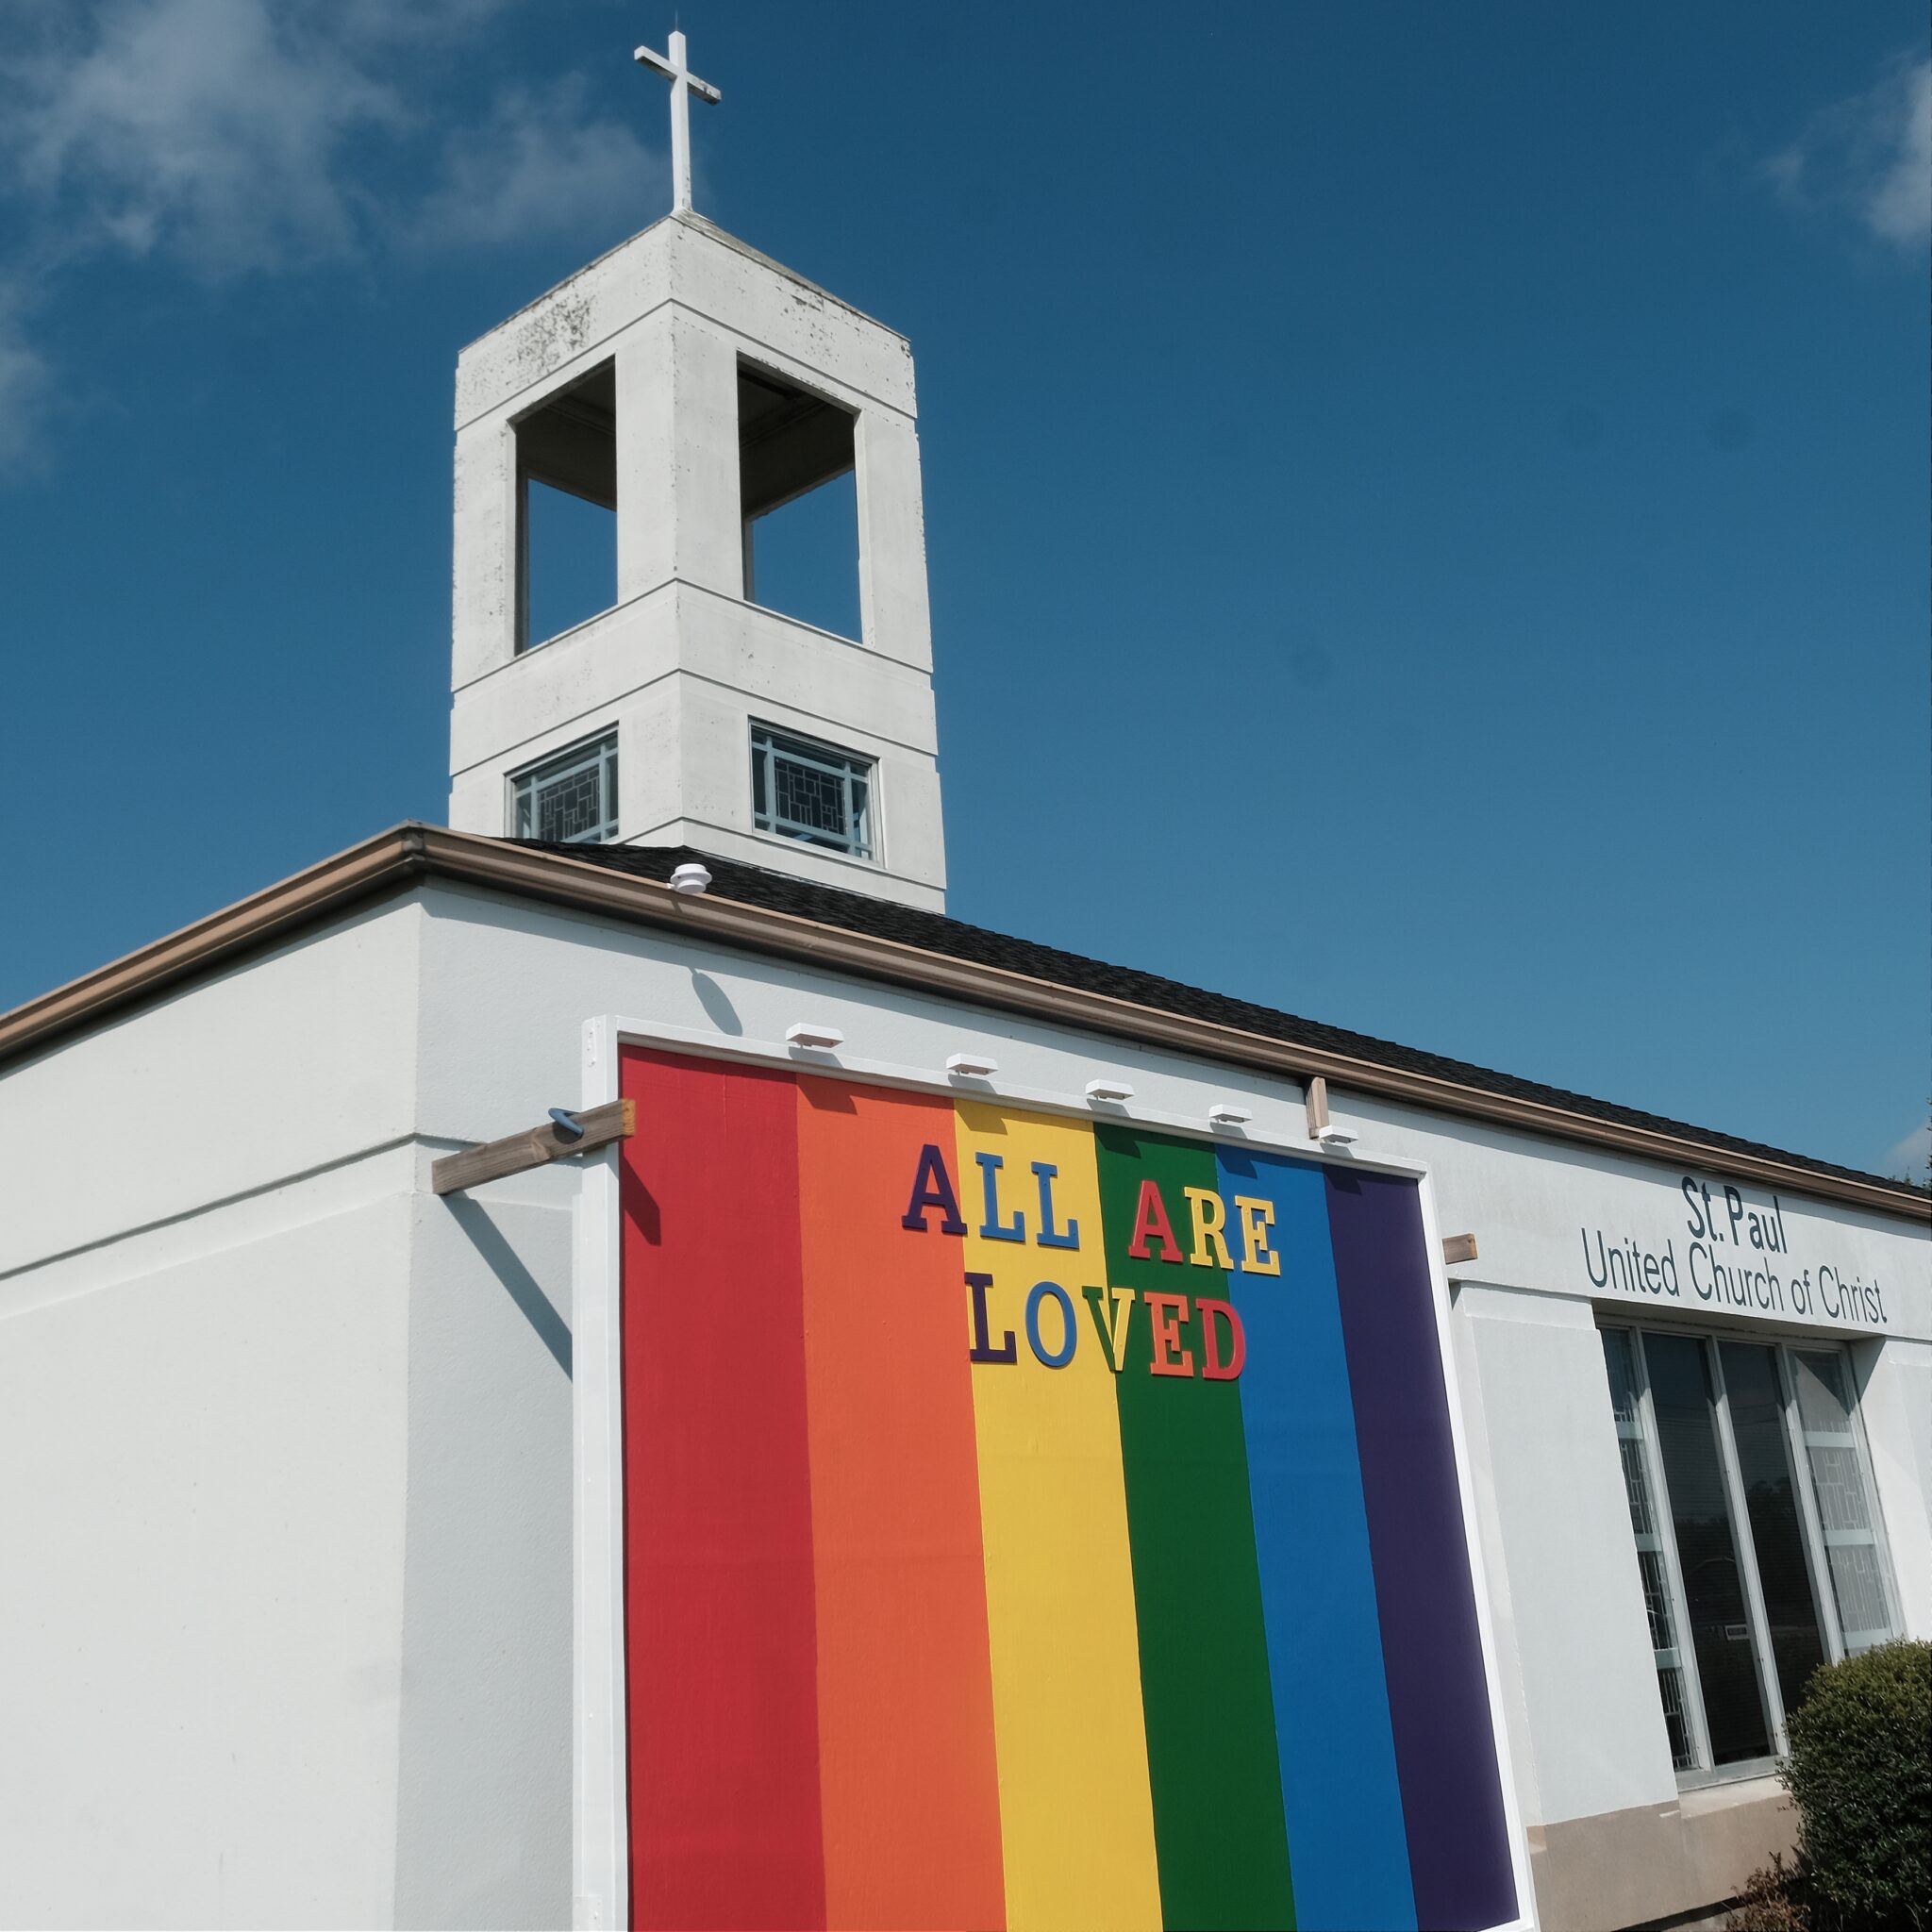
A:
x: 1731, y: 1253
x: 1036, y: 1523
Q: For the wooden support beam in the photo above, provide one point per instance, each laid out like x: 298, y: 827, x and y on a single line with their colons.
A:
x: 616, y: 1121
x: 1457, y: 1248
x: 1317, y: 1100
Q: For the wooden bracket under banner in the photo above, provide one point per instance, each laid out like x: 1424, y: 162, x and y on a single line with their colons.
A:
x: 1457, y: 1248
x: 615, y: 1121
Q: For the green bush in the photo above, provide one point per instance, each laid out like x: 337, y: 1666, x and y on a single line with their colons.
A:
x: 1860, y: 1774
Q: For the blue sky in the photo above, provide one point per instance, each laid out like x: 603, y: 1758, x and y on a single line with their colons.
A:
x: 1428, y: 505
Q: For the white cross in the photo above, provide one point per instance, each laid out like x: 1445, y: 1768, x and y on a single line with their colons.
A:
x: 684, y: 83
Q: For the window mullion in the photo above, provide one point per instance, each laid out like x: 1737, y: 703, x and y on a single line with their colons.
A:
x: 1874, y: 1514
x: 1673, y: 1577
x: 1747, y: 1552
x: 1823, y: 1592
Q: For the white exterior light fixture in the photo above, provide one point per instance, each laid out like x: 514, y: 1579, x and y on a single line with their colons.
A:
x: 1109, y: 1093
x: 1224, y: 1113
x: 690, y: 878
x: 972, y: 1066
x: 821, y: 1039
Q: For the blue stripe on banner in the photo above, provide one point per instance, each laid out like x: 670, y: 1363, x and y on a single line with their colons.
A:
x: 1339, y: 1783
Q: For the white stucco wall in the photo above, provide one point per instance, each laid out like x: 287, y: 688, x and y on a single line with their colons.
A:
x: 199, y: 1667
x: 285, y: 1441
x: 1896, y: 1400
x: 302, y: 1059
x: 284, y: 1475
x: 1563, y: 1567
x: 483, y: 1801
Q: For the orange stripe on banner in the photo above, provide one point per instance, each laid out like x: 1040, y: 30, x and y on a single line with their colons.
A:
x: 909, y: 1783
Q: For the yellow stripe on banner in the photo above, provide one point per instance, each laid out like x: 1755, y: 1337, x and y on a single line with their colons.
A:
x: 1076, y: 1820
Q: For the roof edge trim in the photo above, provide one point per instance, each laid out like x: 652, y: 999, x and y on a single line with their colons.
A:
x: 412, y: 852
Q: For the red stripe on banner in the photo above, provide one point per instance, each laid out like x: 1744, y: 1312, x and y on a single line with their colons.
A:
x: 720, y: 1624
x: 911, y: 1786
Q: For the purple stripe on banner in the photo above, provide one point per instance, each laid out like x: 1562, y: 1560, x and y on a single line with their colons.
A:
x: 1439, y: 1707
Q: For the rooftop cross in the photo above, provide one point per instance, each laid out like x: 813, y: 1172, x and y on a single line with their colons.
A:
x: 684, y: 83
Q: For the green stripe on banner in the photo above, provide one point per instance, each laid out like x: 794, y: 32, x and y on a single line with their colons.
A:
x: 1212, y: 1764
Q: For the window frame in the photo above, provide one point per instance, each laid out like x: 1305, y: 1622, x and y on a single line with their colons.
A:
x: 1681, y: 1655
x: 1873, y: 1536
x: 1703, y: 1772
x: 768, y: 743
x: 598, y: 752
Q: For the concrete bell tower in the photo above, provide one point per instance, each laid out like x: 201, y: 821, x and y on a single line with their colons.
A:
x: 689, y: 386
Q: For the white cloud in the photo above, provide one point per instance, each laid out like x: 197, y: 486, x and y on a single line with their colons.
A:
x: 1869, y: 156
x: 1912, y: 1157
x: 210, y: 129
x: 375, y: 23
x: 1899, y: 206
x: 23, y: 386
x: 236, y: 137
x: 537, y: 167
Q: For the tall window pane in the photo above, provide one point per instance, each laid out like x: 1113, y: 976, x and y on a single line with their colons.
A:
x: 1844, y: 1507
x: 1682, y: 1399
x: 1650, y: 1553
x: 1771, y: 1502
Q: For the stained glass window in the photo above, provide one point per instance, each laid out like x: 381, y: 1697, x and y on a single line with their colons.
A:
x: 572, y: 797
x: 812, y: 793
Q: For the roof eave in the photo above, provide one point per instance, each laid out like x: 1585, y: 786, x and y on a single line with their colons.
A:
x: 410, y: 853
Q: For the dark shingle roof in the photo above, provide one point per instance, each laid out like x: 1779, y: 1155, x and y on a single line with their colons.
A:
x: 933, y: 932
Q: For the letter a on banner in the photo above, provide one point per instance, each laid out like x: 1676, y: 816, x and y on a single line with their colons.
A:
x: 932, y: 1187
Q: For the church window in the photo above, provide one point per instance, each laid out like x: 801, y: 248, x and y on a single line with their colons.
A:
x: 798, y: 500
x: 811, y: 793
x: 567, y: 509
x: 1845, y: 1517
x: 1758, y: 1545
x: 571, y: 797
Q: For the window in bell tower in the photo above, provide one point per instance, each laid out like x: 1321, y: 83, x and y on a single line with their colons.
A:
x: 813, y: 792
x: 798, y: 497
x: 567, y: 509
x: 571, y: 796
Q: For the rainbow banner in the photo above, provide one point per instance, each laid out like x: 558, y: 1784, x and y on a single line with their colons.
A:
x: 1036, y: 1524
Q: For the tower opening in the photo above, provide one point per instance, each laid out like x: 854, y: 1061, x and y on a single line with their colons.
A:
x: 798, y: 499
x: 567, y: 509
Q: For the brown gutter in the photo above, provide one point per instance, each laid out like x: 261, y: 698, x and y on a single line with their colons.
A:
x: 410, y: 853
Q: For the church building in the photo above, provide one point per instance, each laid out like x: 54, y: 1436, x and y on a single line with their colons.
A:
x: 626, y: 1368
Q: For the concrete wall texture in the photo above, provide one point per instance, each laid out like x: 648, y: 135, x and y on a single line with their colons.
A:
x: 286, y: 1441
x: 681, y: 664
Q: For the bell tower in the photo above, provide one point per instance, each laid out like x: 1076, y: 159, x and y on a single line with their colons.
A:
x: 665, y: 402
